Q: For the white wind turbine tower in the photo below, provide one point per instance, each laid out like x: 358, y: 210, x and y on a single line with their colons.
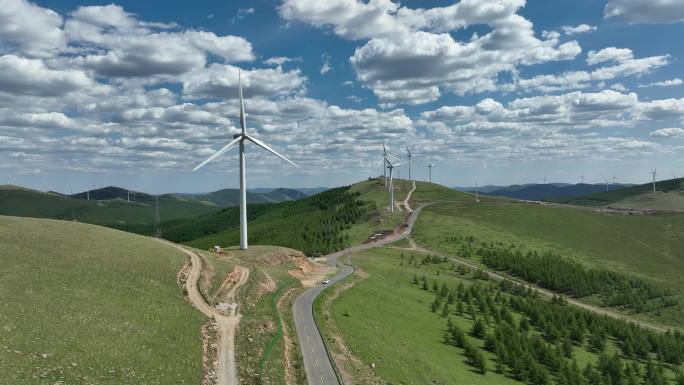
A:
x: 391, y: 167
x: 240, y: 139
x: 606, y: 180
x: 477, y: 194
x: 409, y: 154
x: 654, y: 172
x: 384, y: 163
x: 430, y: 166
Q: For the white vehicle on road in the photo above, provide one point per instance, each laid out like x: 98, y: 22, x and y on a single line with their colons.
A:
x: 325, y: 282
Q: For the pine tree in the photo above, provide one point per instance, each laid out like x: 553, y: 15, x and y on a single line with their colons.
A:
x: 459, y: 307
x: 478, y: 330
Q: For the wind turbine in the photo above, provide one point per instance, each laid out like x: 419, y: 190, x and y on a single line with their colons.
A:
x: 430, y: 166
x: 239, y: 139
x: 409, y: 154
x: 391, y: 167
x: 582, y: 178
x: 477, y: 194
x: 386, y: 162
x: 606, y: 180
x: 654, y: 172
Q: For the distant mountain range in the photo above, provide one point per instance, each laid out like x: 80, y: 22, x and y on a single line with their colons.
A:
x: 231, y: 197
x: 546, y: 191
x: 131, y: 210
x: 220, y: 198
x: 632, y: 196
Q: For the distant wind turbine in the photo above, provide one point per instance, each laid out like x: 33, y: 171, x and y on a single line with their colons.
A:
x: 582, y: 178
x: 240, y: 139
x: 606, y: 180
x: 654, y: 172
x: 477, y: 194
x: 409, y: 155
x: 391, y: 166
x: 430, y: 166
x: 384, y: 163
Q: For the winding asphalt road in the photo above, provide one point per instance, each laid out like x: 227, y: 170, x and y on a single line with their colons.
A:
x: 319, y: 369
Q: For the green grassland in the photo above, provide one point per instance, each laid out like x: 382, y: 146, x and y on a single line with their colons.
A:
x: 386, y: 322
x: 83, y: 304
x: 648, y: 246
x: 670, y: 201
x: 609, y: 197
x: 117, y: 213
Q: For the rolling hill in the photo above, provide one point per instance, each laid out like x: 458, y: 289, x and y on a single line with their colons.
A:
x: 428, y: 301
x: 610, y: 197
x: 312, y: 224
x: 323, y: 222
x: 84, y: 304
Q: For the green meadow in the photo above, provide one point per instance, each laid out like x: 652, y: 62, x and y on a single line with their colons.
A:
x: 84, y: 304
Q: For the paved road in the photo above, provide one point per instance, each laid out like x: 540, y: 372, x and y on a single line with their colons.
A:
x: 319, y: 369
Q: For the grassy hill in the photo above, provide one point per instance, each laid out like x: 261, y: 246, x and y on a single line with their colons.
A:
x: 673, y: 200
x: 324, y: 222
x: 645, y: 246
x: 84, y: 304
x: 394, y: 314
x: 136, y: 217
x: 607, y: 198
x: 312, y: 224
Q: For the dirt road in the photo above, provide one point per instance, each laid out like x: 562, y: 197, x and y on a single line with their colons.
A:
x: 227, y: 372
x: 408, y: 198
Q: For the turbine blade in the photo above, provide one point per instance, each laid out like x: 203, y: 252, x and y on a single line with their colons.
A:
x: 243, y: 123
x: 384, y: 150
x: 269, y: 149
x: 219, y: 152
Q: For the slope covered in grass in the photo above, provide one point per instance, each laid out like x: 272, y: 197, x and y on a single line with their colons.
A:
x: 400, y: 316
x: 646, y: 246
x: 83, y: 304
x: 325, y: 222
x: 670, y: 201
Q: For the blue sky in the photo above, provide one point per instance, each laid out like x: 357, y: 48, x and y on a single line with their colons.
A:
x: 137, y: 93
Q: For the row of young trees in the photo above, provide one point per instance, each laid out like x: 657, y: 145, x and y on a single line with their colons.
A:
x: 538, y: 349
x: 559, y: 274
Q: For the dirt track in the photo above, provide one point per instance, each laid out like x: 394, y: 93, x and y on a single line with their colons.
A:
x: 227, y: 373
